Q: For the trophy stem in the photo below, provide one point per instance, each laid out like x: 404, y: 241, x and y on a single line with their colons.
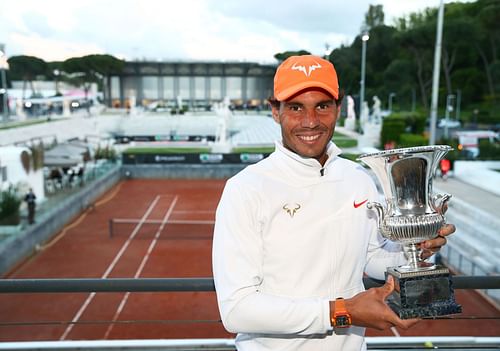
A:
x: 415, y: 263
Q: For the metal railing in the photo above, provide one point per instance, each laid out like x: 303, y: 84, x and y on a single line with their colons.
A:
x: 207, y: 285
x: 461, y: 262
x: 178, y: 284
x: 465, y: 343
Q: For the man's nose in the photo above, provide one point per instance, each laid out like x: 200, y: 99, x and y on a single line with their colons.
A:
x: 310, y: 119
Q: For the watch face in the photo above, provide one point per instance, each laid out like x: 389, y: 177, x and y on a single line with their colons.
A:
x: 342, y: 321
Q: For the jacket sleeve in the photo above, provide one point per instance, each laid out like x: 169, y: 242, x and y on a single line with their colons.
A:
x: 237, y: 267
x: 382, y: 253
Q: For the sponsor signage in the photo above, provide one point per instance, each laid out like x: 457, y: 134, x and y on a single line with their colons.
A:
x: 170, y: 158
x: 251, y: 158
x: 204, y: 158
x: 211, y: 158
x: 125, y: 139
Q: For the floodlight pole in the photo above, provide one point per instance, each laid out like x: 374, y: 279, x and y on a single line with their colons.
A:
x: 435, y: 77
x: 4, y: 96
x: 3, y: 67
x: 364, y: 38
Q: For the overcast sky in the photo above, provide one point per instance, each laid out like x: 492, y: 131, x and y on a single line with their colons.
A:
x: 242, y: 30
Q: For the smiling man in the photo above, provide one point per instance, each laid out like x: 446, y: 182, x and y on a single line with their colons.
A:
x: 306, y: 105
x: 293, y: 236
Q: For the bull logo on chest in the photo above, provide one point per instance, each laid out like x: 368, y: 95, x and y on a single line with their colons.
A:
x: 291, y: 210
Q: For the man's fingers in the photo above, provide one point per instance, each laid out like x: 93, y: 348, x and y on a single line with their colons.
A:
x: 388, y: 287
x: 440, y: 240
x: 406, y: 323
x: 447, y: 229
x: 426, y: 253
x: 435, y: 244
x: 393, y: 319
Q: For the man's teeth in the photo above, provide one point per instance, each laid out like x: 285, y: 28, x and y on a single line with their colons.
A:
x: 308, y: 137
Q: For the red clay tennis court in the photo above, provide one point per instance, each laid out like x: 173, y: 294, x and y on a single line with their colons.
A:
x: 161, y: 229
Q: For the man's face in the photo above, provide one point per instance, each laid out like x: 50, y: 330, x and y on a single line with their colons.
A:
x: 307, y: 122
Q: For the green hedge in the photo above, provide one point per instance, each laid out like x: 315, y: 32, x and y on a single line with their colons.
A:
x: 106, y: 152
x: 396, y: 124
x: 392, y: 128
x: 166, y: 150
x: 411, y: 140
x: 255, y: 150
x: 489, y: 150
x: 414, y: 121
x: 9, y: 207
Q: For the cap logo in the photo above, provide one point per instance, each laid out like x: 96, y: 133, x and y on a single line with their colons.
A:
x: 302, y: 69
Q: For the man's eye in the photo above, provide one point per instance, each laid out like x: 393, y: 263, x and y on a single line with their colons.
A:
x: 295, y: 108
x: 324, y: 106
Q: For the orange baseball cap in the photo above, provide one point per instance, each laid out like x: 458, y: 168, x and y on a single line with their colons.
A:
x: 297, y: 73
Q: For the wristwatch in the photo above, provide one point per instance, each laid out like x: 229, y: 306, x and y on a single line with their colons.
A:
x: 341, y: 318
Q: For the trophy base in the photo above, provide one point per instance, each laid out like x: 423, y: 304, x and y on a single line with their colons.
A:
x: 421, y: 294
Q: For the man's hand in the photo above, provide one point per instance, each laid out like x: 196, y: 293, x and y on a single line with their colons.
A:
x: 369, y: 309
x: 430, y: 247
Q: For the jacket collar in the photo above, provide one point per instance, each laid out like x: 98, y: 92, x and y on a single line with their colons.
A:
x: 309, y: 170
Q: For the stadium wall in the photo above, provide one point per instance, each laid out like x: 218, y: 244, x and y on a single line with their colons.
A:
x: 16, y: 248
x: 181, y: 171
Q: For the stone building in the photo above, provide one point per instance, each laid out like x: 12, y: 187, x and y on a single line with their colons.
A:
x: 197, y: 84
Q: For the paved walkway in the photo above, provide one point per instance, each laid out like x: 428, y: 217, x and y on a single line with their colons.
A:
x: 470, y: 194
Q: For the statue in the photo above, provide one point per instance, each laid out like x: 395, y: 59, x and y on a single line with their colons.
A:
x: 350, y: 122
x: 179, y: 104
x: 371, y: 128
x: 376, y: 112
x: 222, y: 140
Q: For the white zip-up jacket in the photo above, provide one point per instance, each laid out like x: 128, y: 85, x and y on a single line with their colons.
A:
x: 291, y: 235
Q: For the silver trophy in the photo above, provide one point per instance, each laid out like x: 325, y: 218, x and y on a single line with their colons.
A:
x: 413, y: 214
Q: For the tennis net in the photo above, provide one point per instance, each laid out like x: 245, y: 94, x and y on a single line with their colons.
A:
x: 170, y: 229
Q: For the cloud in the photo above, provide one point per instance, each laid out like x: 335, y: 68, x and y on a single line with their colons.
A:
x: 188, y: 29
x: 51, y: 49
x: 298, y: 15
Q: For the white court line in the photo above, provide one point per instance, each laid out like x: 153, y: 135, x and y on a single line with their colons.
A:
x: 112, y: 265
x: 156, y: 221
x: 141, y: 266
x: 181, y: 221
x: 395, y: 332
x: 194, y: 211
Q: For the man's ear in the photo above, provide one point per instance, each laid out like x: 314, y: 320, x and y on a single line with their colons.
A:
x: 276, y: 114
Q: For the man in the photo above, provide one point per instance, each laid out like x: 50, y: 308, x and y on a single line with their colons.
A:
x: 293, y: 236
x: 30, y: 199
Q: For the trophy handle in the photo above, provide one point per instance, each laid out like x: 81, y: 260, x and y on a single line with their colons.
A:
x: 380, y: 211
x: 439, y: 201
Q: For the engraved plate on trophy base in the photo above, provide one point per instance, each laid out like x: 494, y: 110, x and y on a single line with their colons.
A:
x: 421, y: 294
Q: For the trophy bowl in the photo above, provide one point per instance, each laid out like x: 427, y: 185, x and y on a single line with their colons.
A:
x: 412, y: 214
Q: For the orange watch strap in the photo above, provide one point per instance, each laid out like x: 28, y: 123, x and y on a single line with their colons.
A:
x: 340, y: 318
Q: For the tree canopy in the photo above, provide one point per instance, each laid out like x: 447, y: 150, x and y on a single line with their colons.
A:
x: 282, y: 56
x: 400, y: 57
x: 26, y: 67
x: 88, y: 69
x: 82, y: 71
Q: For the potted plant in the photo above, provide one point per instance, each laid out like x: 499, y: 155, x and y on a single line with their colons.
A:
x: 9, y: 207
